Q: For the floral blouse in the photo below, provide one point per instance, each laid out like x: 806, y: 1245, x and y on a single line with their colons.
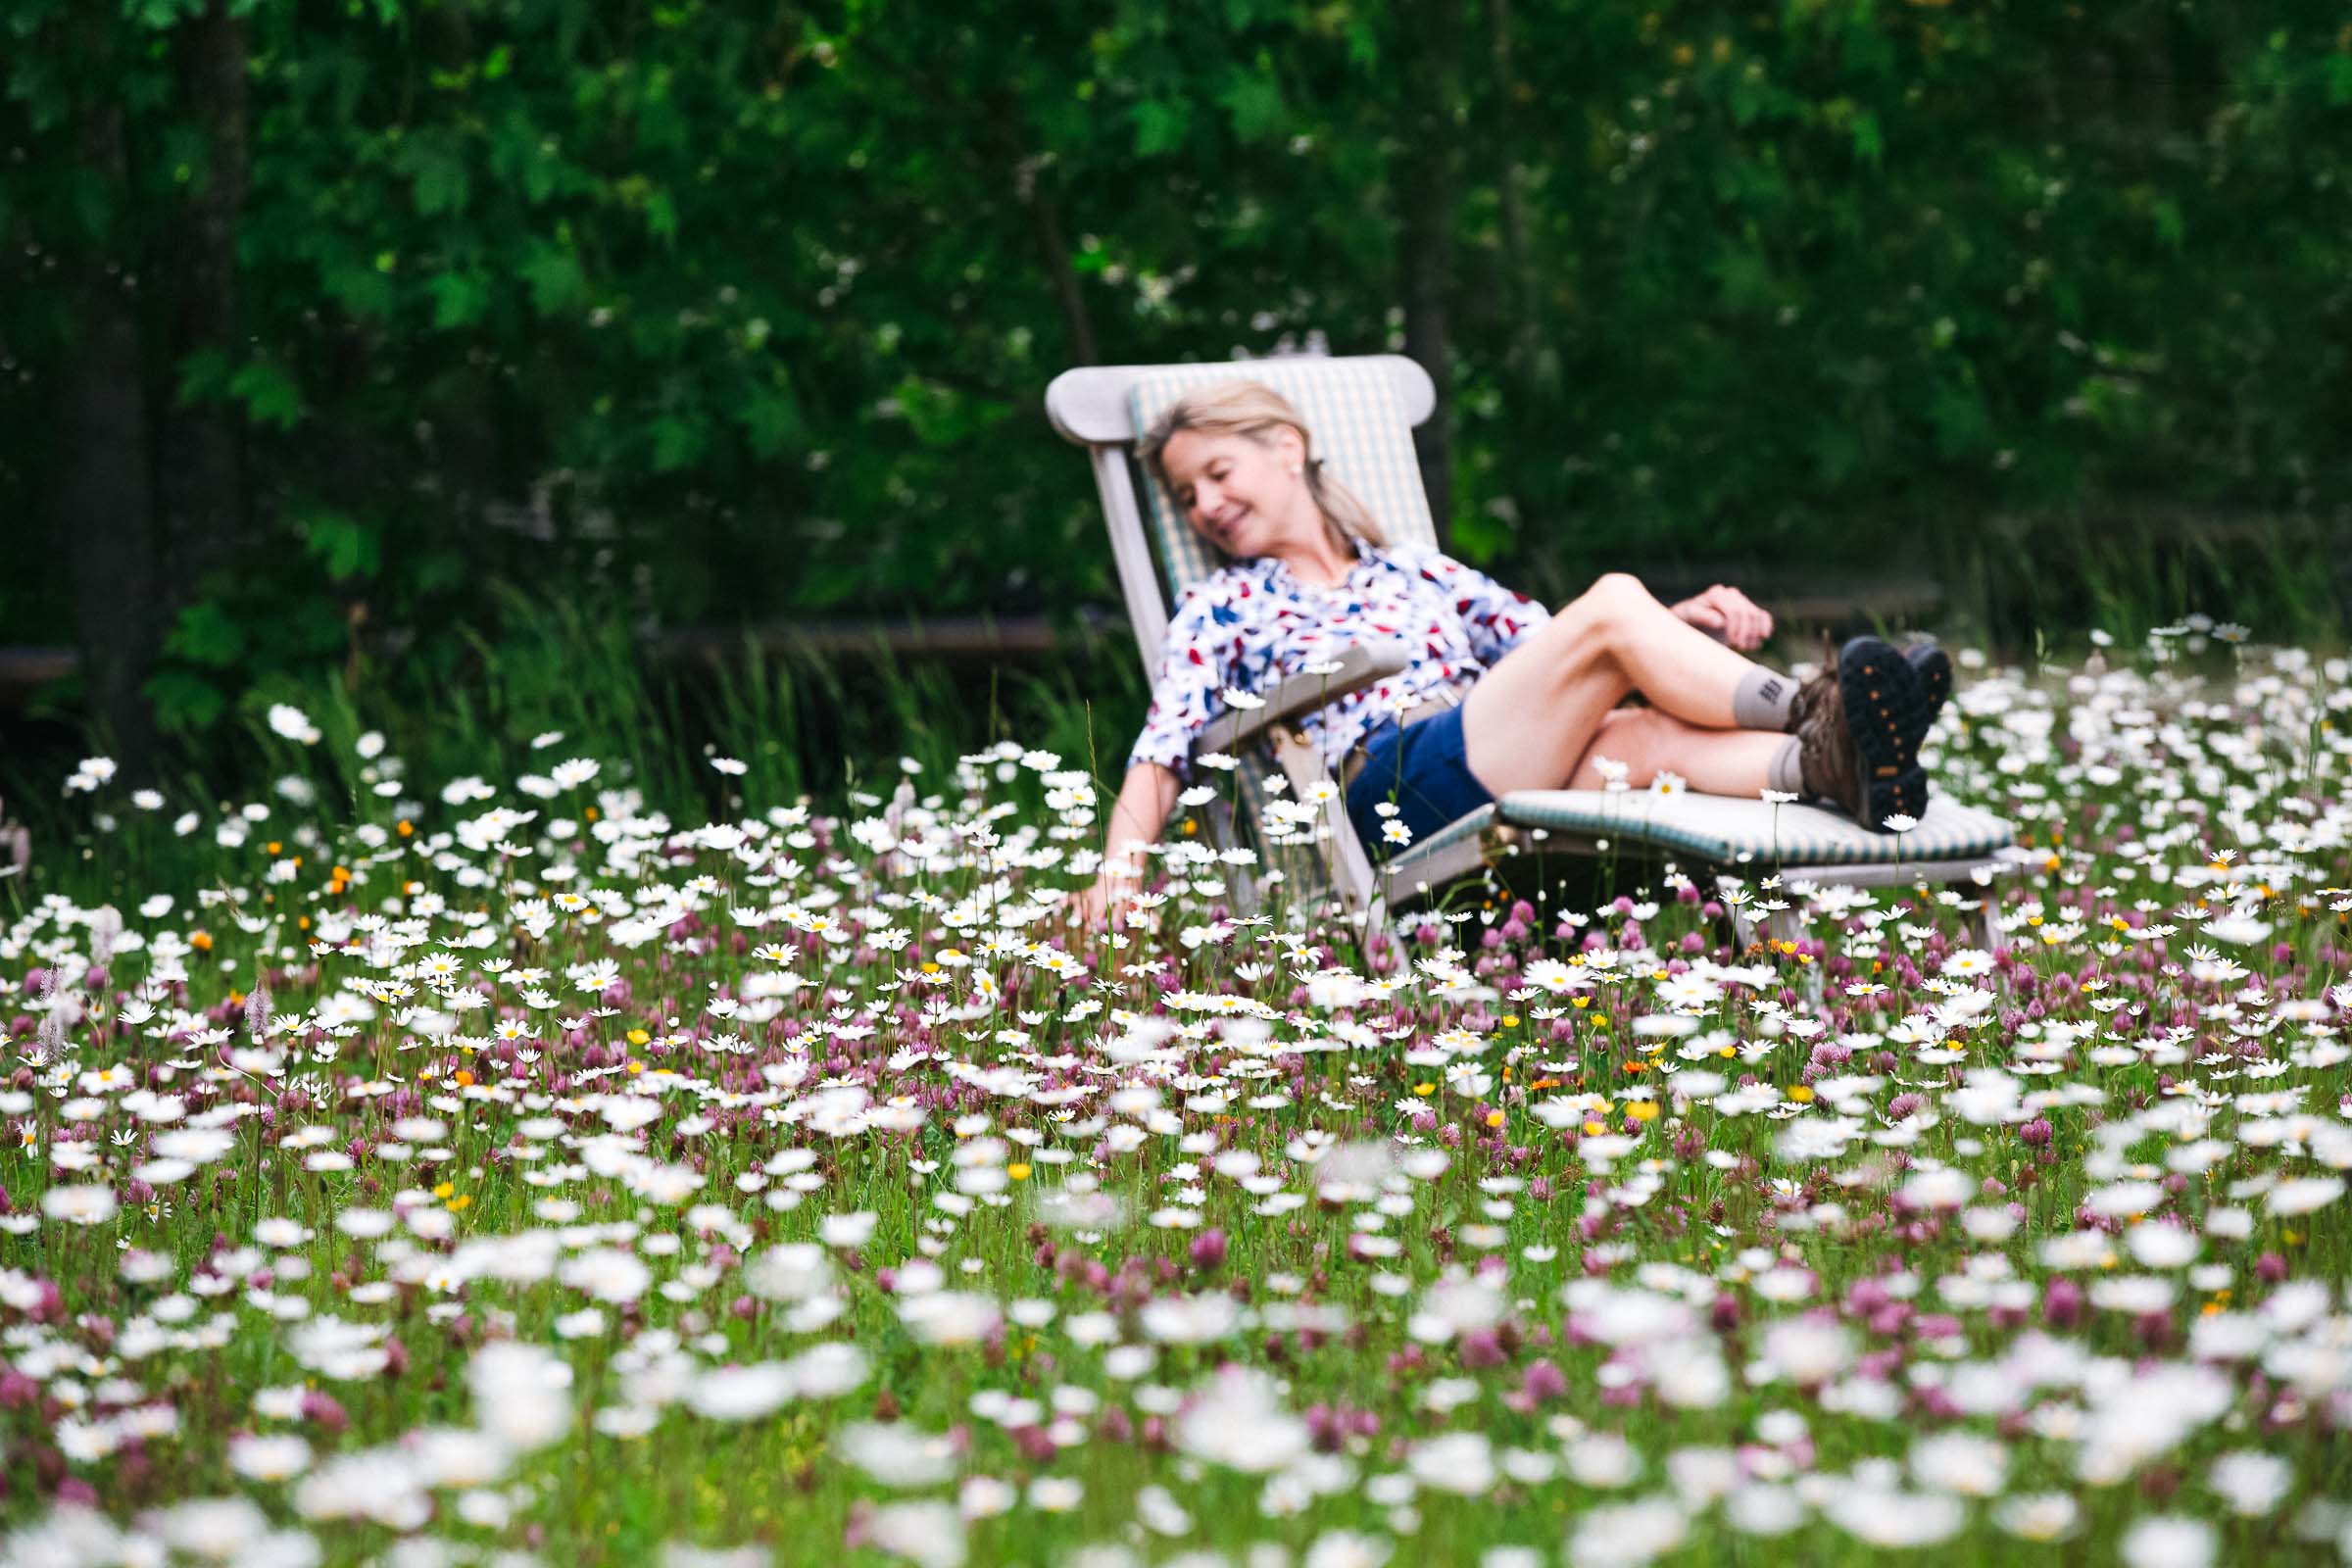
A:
x: 1253, y: 622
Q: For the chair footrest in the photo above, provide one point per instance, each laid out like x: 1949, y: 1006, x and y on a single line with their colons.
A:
x: 1731, y: 831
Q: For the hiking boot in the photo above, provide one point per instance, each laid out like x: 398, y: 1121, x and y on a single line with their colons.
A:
x: 1864, y: 719
x: 1932, y: 664
x: 1812, y: 693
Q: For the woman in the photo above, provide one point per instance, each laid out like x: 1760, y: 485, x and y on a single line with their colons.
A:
x: 1502, y: 694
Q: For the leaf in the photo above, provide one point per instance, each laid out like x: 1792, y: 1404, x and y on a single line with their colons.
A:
x: 771, y: 417
x: 206, y: 634
x: 362, y: 290
x: 1867, y: 143
x: 1836, y: 453
x: 442, y: 184
x: 1254, y: 100
x: 1960, y: 418
x: 1868, y: 51
x: 184, y: 702
x: 542, y: 172
x: 458, y: 299
x: 159, y: 14
x: 439, y: 571
x: 1480, y: 534
x: 677, y: 442
x: 1748, y: 96
x: 556, y: 279
x: 93, y: 199
x: 270, y: 394
x: 942, y: 416
x: 1159, y: 127
x: 203, y: 376
x: 345, y: 546
x: 661, y: 215
x: 1744, y: 278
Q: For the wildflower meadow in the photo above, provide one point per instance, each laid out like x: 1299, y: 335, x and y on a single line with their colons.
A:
x: 512, y: 1169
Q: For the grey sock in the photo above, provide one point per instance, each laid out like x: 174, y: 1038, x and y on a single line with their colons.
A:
x: 1787, y: 771
x: 1763, y: 700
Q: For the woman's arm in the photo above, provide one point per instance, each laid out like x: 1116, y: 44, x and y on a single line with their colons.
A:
x: 1729, y: 614
x: 1494, y: 618
x: 1136, y: 818
x: 1194, y: 664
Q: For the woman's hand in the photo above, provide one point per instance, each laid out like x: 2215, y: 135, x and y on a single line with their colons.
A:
x: 1089, y: 908
x: 1136, y: 818
x: 1727, y: 613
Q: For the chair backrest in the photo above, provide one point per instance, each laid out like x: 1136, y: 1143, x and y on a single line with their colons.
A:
x: 1360, y: 412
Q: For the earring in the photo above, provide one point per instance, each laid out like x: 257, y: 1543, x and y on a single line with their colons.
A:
x: 1295, y: 473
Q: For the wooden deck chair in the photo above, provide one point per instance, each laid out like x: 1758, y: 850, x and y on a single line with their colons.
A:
x: 1361, y: 410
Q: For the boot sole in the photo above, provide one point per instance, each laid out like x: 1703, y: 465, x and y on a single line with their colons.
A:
x: 1933, y: 668
x: 1888, y: 707
x: 1905, y: 793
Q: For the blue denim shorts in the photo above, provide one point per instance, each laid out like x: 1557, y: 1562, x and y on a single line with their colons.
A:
x: 1422, y: 769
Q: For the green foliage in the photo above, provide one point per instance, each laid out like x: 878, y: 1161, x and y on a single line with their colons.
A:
x: 731, y: 312
x: 237, y: 637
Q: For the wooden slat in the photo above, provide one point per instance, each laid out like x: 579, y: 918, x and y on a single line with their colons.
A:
x: 1814, y: 597
x: 1131, y: 551
x: 1088, y: 405
x: 1296, y: 695
x: 937, y: 636
x: 25, y: 671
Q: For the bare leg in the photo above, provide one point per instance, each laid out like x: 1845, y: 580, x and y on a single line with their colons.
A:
x: 1529, y: 721
x: 1712, y: 761
x: 1679, y: 669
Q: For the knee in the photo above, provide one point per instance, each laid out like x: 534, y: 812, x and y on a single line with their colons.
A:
x: 1619, y: 591
x: 1627, y: 735
x: 1614, y: 598
x: 1623, y: 728
x: 1640, y: 735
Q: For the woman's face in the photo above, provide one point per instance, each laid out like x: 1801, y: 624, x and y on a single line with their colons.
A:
x: 1244, y: 498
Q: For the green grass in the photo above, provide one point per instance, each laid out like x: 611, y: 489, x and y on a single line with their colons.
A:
x: 1162, y: 1045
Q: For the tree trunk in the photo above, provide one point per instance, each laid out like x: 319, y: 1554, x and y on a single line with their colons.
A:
x: 1035, y: 184
x: 199, y: 459
x: 1428, y: 186
x: 1510, y: 182
x: 1427, y: 253
x: 102, y: 504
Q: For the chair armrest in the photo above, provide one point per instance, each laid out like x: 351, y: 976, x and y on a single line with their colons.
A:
x: 1359, y: 667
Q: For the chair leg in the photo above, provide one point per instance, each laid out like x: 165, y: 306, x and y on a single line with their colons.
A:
x: 1783, y: 925
x: 1245, y: 895
x: 1347, y: 865
x: 1980, y: 922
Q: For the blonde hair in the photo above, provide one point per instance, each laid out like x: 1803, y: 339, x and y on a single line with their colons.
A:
x: 1254, y: 409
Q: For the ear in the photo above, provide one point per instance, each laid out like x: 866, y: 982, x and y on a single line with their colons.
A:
x: 1289, y: 447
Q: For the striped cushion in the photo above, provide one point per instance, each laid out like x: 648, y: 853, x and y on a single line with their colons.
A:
x: 1354, y: 424
x: 1728, y: 831
x: 1428, y: 847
